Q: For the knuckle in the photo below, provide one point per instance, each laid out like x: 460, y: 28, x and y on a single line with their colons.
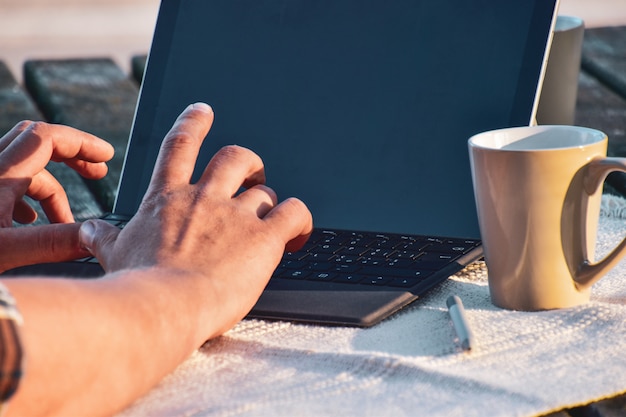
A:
x: 231, y: 153
x: 297, y: 205
x: 23, y: 125
x: 298, y: 213
x: 270, y: 192
x: 39, y: 132
x: 63, y: 238
x: 234, y: 151
x: 38, y: 128
x: 179, y: 138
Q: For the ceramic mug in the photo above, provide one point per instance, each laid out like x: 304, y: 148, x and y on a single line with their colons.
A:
x: 538, y: 191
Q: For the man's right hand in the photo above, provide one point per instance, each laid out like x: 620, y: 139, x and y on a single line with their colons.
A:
x: 221, y: 244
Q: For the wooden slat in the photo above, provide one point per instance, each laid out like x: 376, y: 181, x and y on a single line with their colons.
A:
x: 601, y: 100
x: 604, y: 56
x: 600, y: 108
x: 93, y: 95
x: 16, y: 105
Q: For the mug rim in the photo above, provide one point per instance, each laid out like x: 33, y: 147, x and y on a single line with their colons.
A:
x: 566, y: 23
x: 497, y: 139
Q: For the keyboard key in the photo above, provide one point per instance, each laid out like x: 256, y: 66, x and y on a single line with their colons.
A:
x: 346, y: 259
x: 372, y: 262
x: 349, y: 279
x: 449, y: 247
x: 288, y: 256
x: 322, y: 276
x: 415, y: 272
x: 381, y: 281
x: 319, y: 257
x: 379, y: 253
x: 351, y: 250
x: 324, y: 248
x: 371, y: 259
x: 321, y: 266
x: 399, y: 263
x: 346, y: 268
x: 404, y: 282
x: 431, y: 265
x: 293, y: 274
x: 434, y: 257
x: 293, y: 264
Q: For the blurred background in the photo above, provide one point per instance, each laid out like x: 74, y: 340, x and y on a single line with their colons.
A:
x: 122, y: 28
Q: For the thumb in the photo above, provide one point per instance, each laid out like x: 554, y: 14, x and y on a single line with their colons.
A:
x: 39, y: 244
x: 98, y: 237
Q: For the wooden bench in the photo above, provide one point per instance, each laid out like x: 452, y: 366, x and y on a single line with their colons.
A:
x: 96, y: 96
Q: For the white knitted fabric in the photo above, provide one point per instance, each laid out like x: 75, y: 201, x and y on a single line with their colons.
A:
x: 524, y: 364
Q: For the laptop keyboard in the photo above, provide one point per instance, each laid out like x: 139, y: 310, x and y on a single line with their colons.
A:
x: 374, y: 259
x: 389, y: 260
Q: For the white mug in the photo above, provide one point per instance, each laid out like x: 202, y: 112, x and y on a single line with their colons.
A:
x: 538, y: 192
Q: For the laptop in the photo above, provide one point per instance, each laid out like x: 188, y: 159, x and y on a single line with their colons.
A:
x: 360, y: 108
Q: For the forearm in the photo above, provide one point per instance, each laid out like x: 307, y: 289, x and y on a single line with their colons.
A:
x: 94, y: 346
x: 102, y: 343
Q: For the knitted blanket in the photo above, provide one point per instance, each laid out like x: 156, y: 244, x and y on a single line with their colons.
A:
x: 524, y: 363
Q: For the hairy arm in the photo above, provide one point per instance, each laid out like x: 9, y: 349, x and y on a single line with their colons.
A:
x: 189, y: 266
x: 92, y: 347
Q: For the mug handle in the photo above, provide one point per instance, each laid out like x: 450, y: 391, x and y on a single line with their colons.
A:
x: 597, y: 170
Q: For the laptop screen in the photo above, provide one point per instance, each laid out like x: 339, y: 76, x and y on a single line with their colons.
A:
x: 360, y: 108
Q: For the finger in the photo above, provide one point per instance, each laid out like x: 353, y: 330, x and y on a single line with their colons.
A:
x: 90, y: 170
x: 179, y: 150
x: 259, y: 198
x: 23, y: 213
x: 13, y: 133
x: 98, y: 237
x: 69, y: 143
x: 40, y: 244
x: 11, y: 191
x: 43, y: 187
x: 52, y: 197
x: 231, y: 168
x: 31, y: 150
x: 292, y: 221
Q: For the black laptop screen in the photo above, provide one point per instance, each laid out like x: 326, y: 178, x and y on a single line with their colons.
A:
x: 360, y: 108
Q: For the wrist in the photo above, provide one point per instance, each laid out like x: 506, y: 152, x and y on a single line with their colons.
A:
x: 176, y: 301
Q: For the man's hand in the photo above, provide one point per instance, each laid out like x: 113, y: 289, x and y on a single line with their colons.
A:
x: 220, y: 245
x: 190, y: 264
x: 24, y: 153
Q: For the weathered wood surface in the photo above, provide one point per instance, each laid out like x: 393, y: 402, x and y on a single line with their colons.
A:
x: 17, y: 105
x: 604, y: 56
x: 601, y: 100
x: 93, y: 95
x: 600, y: 108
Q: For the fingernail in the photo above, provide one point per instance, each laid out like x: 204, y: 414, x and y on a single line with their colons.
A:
x: 202, y: 107
x: 86, y: 235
